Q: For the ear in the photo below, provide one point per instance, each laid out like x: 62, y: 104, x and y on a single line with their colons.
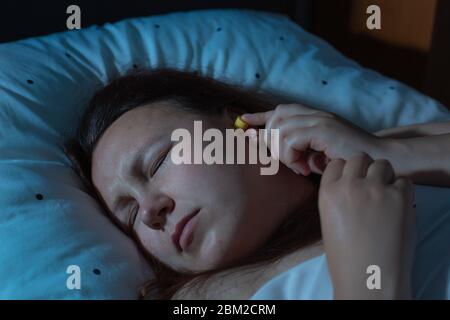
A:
x: 230, y: 114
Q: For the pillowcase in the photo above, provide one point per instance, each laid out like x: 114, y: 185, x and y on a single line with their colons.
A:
x: 48, y: 223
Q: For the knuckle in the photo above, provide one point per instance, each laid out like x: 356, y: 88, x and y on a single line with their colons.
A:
x: 326, y: 114
x: 338, y: 160
x: 281, y: 107
x: 282, y: 134
x: 404, y: 182
x: 326, y: 123
x: 405, y: 188
x: 383, y: 162
x: 360, y: 156
x: 275, y: 122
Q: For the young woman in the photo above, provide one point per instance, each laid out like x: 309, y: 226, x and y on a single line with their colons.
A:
x: 245, y: 227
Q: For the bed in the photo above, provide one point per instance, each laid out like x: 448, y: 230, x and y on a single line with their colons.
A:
x: 56, y: 241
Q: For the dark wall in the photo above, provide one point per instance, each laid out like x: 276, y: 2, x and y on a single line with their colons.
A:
x: 426, y: 71
x: 437, y: 81
x: 23, y: 19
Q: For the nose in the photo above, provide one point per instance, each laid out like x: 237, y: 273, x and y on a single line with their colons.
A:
x: 154, y: 213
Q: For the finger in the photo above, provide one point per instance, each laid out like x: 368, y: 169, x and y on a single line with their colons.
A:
x: 333, y: 171
x: 290, y: 109
x: 407, y: 187
x: 257, y: 119
x: 311, y: 161
x: 381, y: 170
x: 298, y: 151
x: 317, y: 161
x: 284, y: 120
x: 300, y: 165
x: 294, y: 122
x: 295, y: 134
x: 290, y: 131
x: 281, y: 111
x: 280, y: 149
x: 357, y: 165
x: 303, y: 132
x: 306, y: 138
x: 405, y: 184
x: 300, y: 136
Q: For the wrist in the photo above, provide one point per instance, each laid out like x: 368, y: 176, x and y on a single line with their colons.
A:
x: 394, y: 150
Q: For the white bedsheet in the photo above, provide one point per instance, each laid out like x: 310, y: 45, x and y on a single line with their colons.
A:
x: 431, y: 270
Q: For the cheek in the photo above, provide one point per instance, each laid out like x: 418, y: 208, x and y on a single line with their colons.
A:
x: 184, y: 177
x: 204, y: 181
x: 154, y: 241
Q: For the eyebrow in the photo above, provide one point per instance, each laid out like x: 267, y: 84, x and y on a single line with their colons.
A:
x: 137, y: 165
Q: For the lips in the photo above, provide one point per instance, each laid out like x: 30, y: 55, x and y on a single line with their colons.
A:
x: 179, y: 228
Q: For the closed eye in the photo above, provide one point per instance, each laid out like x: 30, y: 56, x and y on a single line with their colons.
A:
x: 132, y: 216
x: 161, y: 159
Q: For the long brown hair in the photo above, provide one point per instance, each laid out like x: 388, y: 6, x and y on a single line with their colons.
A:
x: 197, y: 94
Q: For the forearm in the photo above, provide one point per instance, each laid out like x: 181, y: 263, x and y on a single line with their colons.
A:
x: 415, y: 130
x: 358, y: 292
x: 425, y: 160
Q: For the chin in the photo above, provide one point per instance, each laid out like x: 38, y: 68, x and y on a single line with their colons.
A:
x: 209, y: 262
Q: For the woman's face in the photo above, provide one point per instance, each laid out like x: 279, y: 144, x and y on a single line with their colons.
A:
x: 236, y: 208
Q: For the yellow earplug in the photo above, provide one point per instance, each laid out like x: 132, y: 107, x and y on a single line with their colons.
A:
x: 240, y: 124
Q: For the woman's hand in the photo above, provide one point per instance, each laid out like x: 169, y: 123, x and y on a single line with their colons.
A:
x: 367, y: 218
x: 309, y: 138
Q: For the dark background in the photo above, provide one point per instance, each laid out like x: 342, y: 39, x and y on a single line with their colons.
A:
x: 413, y: 45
